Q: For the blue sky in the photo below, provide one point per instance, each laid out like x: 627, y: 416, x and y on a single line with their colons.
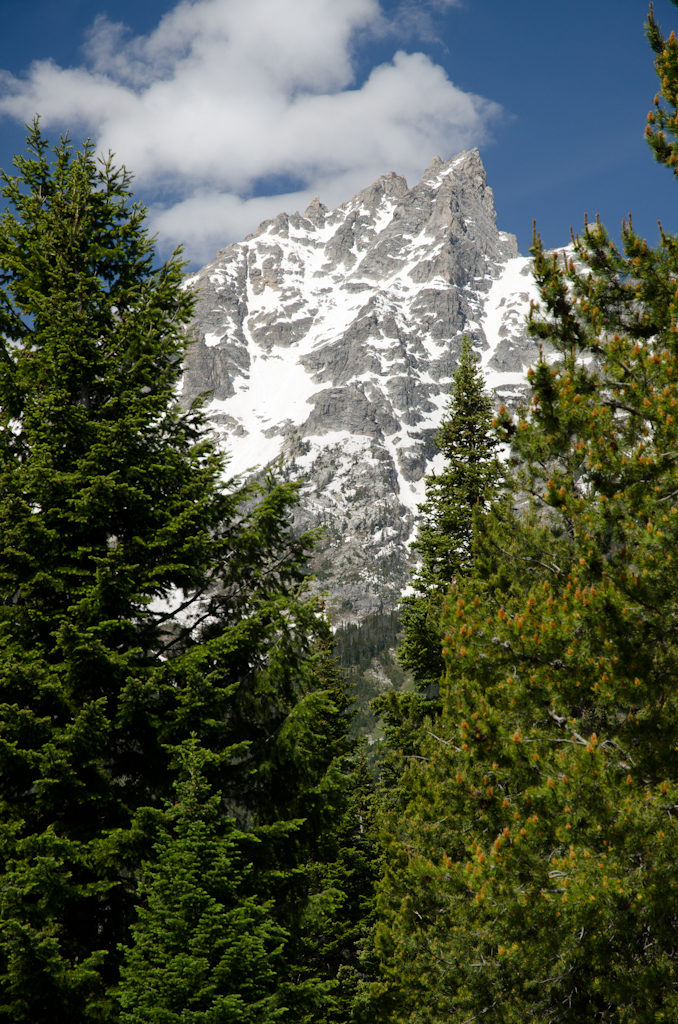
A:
x: 231, y: 111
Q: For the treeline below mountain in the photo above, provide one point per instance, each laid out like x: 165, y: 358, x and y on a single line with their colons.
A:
x: 367, y: 654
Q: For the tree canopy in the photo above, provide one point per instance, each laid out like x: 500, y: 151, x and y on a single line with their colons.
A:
x: 145, y: 598
x: 530, y: 874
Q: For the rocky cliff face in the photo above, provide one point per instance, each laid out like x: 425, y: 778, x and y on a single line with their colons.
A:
x: 331, y: 338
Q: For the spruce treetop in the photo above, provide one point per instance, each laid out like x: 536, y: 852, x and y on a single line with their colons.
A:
x: 467, y: 481
x: 97, y: 458
x: 465, y: 488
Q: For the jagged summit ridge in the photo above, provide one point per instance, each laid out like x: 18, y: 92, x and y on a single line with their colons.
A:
x: 331, y: 338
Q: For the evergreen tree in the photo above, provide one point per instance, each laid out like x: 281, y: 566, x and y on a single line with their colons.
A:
x: 105, y: 505
x: 358, y: 860
x: 339, y: 939
x: 455, y: 499
x: 468, y: 483
x: 469, y: 479
x: 142, y: 599
x: 531, y: 876
x: 662, y: 122
x: 308, y: 777
x: 204, y: 951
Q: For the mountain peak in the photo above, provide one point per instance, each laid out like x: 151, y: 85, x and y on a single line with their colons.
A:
x: 331, y: 339
x: 315, y: 212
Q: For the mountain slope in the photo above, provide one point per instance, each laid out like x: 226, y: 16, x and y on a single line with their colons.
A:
x: 331, y: 338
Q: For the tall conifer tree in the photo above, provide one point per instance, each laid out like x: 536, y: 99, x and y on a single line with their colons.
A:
x: 467, y: 484
x: 531, y: 876
x: 204, y: 949
x: 142, y: 599
x: 465, y: 489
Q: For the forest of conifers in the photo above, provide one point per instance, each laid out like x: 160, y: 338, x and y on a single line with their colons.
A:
x: 190, y: 832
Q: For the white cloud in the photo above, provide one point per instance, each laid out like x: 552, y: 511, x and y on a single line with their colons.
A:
x: 224, y: 95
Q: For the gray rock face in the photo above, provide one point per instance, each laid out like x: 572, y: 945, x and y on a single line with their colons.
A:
x: 331, y: 339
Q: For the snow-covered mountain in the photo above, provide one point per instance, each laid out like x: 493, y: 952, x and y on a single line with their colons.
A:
x: 331, y: 338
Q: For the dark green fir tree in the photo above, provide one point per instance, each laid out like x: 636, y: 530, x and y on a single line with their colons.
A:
x: 143, y: 600
x: 204, y: 950
x: 106, y: 499
x: 327, y: 907
x: 456, y: 500
x: 467, y: 484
